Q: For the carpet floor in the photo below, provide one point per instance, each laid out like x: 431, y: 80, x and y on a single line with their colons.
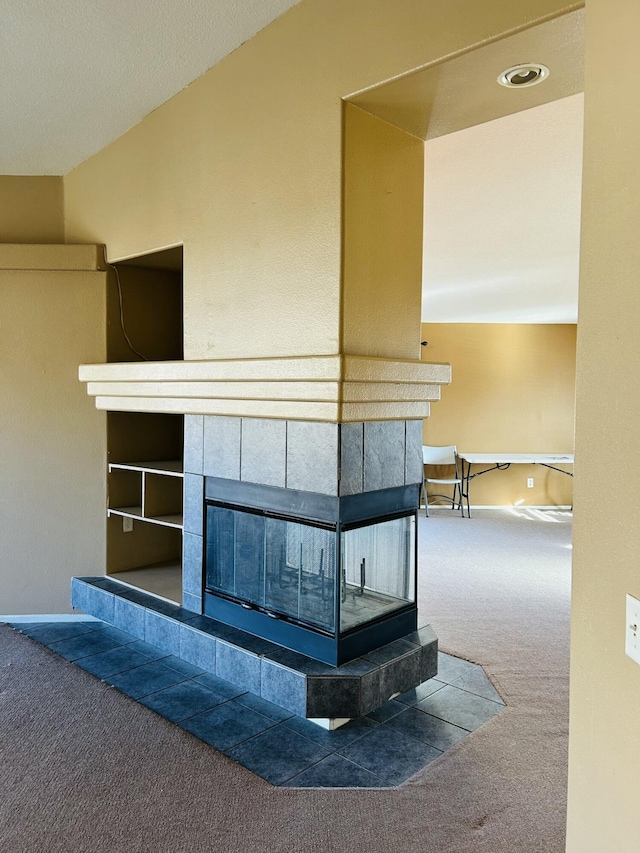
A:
x: 85, y: 768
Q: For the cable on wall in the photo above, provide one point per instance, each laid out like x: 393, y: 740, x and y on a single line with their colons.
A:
x: 119, y: 286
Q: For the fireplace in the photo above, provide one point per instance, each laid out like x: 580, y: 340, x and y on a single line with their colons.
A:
x: 298, y: 569
x: 330, y: 577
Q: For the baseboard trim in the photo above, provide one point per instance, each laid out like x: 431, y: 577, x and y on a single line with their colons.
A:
x: 564, y: 507
x: 49, y: 617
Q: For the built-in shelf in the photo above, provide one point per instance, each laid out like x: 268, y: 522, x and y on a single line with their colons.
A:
x: 144, y: 450
x: 135, y: 512
x: 144, y: 508
x: 169, y: 467
x: 150, y: 492
x: 162, y: 579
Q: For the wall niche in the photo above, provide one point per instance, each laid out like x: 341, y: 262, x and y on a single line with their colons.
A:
x: 145, y: 308
x: 145, y: 468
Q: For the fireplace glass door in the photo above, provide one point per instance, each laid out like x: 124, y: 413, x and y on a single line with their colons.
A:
x: 288, y: 568
x: 280, y: 566
x: 378, y: 570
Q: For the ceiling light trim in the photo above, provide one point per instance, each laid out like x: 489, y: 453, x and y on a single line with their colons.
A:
x: 523, y: 75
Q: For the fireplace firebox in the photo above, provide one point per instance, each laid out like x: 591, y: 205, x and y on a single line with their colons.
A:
x: 330, y: 577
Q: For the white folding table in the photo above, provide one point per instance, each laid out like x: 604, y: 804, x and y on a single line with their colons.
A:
x: 502, y: 461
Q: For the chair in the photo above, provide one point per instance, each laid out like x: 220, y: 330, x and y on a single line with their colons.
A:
x: 442, y: 456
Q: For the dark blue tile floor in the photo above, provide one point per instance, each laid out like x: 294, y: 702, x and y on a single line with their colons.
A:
x: 381, y: 750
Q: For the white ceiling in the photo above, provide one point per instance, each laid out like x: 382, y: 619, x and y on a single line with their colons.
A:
x: 76, y: 74
x: 502, y: 199
x: 502, y: 219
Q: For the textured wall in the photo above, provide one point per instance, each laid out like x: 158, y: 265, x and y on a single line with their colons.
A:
x: 513, y: 390
x: 383, y: 202
x: 52, y: 445
x: 245, y: 167
x: 604, y: 748
x: 31, y: 209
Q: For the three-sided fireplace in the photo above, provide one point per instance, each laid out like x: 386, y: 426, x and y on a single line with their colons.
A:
x: 331, y: 577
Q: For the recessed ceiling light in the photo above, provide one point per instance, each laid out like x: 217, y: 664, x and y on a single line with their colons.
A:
x: 526, y: 74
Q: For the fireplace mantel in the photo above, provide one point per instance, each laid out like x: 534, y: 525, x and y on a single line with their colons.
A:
x: 334, y: 388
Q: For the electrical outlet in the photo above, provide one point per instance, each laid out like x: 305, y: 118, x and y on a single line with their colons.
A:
x: 127, y: 524
x: 529, y: 482
x: 632, y: 636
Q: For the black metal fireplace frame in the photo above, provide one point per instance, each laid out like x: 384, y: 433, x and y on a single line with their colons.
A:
x: 333, y: 513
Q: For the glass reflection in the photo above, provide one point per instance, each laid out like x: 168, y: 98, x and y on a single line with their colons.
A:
x: 283, y: 566
x: 377, y: 576
x: 289, y: 568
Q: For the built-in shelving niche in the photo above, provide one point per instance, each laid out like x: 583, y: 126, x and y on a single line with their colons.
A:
x: 146, y: 298
x: 145, y: 468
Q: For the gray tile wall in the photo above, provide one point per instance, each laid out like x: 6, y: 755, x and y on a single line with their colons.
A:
x: 384, y: 455
x: 239, y: 666
x: 192, y: 541
x: 193, y: 443
x: 413, y: 468
x: 331, y: 459
x: 162, y: 631
x: 222, y: 447
x: 284, y: 687
x: 192, y: 602
x: 312, y: 456
x: 193, y: 503
x: 197, y: 648
x: 351, y: 459
x: 192, y: 556
x: 129, y: 617
x: 263, y: 452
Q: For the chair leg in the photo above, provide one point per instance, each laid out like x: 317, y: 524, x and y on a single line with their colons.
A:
x: 459, y: 486
x: 426, y: 499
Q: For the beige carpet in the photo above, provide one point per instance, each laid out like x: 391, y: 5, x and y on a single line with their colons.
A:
x: 84, y: 768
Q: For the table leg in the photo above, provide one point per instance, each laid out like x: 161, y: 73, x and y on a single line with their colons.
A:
x: 464, y: 487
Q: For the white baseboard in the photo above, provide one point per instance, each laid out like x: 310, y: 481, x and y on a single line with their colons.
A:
x: 564, y: 507
x: 49, y: 617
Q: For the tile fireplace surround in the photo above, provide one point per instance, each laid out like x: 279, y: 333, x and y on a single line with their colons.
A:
x: 337, y: 460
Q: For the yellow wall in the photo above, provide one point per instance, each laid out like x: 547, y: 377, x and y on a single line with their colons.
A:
x: 604, y: 748
x: 31, y: 209
x: 383, y: 207
x: 52, y: 439
x: 513, y: 390
x: 245, y: 167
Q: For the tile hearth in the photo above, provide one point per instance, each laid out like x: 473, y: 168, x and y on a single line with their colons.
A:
x: 380, y: 750
x: 302, y: 685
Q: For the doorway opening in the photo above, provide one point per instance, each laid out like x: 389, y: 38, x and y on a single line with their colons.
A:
x: 502, y: 183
